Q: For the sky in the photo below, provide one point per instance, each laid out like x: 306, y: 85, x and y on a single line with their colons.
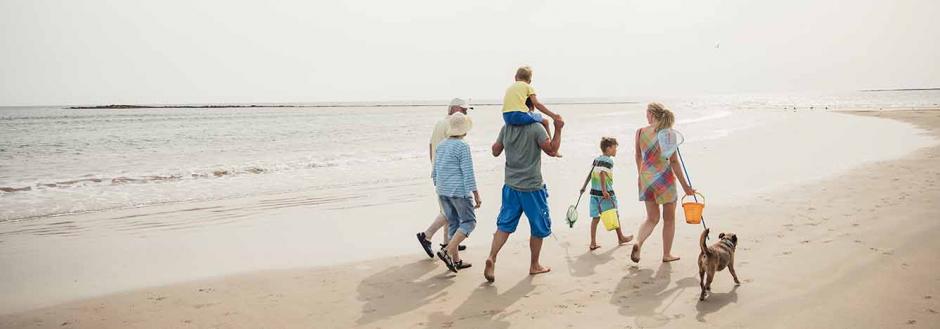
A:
x: 171, y: 52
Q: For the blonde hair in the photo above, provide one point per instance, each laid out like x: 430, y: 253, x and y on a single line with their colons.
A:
x: 524, y: 74
x: 664, y: 117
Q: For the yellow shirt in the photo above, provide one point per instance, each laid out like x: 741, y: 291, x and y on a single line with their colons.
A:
x: 516, y: 94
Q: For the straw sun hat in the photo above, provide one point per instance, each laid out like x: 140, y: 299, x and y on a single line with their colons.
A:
x: 458, y: 124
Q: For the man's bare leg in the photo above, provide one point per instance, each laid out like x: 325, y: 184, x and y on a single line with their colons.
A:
x: 499, y: 239
x: 439, y: 222
x: 535, y: 246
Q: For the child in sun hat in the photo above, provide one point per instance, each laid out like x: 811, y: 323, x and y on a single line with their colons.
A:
x: 455, y: 182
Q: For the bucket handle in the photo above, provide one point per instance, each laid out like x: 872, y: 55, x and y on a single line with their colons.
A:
x: 696, y: 193
x: 600, y: 209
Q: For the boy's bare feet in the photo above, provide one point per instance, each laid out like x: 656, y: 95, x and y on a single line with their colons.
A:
x: 670, y: 258
x: 635, y: 255
x: 539, y: 269
x: 489, y: 271
x: 626, y: 239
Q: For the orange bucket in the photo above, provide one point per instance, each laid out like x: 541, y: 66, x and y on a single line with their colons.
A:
x: 693, y: 210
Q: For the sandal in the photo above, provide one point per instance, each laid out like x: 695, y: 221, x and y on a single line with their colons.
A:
x: 461, y: 265
x: 422, y: 239
x: 459, y: 248
x: 447, y: 261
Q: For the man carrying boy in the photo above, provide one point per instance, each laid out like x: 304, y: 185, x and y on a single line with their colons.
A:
x: 455, y: 182
x: 523, y: 191
x: 520, y: 101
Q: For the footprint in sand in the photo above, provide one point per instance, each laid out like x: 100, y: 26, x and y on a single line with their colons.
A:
x: 911, y: 322
x: 787, y: 252
x: 930, y: 310
x: 804, y: 242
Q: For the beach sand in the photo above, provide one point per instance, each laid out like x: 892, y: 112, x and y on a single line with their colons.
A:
x: 855, y: 250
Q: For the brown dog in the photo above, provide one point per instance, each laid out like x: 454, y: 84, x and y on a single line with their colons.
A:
x: 716, y: 258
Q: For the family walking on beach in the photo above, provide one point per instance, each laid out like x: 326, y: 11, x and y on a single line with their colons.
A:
x: 523, y: 138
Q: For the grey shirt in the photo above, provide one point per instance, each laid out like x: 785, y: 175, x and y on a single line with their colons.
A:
x: 523, y: 155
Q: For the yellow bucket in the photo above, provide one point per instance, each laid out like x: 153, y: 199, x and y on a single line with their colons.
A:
x: 610, y: 217
x: 693, y: 210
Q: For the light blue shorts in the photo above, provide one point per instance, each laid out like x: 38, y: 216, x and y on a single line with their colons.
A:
x: 460, y: 214
x: 599, y: 205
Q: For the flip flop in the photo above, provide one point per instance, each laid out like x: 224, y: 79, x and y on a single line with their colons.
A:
x: 545, y: 270
x: 594, y: 247
x: 447, y: 261
x: 422, y: 239
x: 635, y: 254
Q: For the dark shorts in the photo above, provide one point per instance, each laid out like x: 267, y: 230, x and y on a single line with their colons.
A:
x: 521, y: 118
x: 535, y: 206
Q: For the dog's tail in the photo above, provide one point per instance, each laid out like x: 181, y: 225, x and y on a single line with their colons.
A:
x: 701, y: 241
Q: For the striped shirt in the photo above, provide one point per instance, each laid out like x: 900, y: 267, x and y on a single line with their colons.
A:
x: 603, y: 164
x: 453, y: 169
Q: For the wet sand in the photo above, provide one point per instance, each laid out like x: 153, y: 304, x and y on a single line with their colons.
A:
x: 853, y: 250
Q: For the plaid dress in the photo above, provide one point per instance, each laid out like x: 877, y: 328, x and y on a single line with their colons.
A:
x: 657, y: 181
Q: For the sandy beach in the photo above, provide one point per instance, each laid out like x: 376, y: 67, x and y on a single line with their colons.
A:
x: 852, y: 250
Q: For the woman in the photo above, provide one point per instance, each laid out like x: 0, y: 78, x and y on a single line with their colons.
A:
x: 657, y: 180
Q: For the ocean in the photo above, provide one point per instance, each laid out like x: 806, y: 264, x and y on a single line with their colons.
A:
x: 56, y: 161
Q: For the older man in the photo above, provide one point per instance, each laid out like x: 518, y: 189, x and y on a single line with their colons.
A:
x: 524, y: 190
x: 440, y: 134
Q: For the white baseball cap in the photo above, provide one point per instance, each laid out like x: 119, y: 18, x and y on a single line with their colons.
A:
x: 460, y: 102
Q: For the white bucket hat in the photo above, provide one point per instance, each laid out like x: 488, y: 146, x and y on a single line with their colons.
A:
x: 458, y: 124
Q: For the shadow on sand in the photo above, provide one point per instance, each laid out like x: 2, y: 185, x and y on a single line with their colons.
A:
x: 643, y: 295
x: 484, y: 308
x: 400, y: 289
x: 715, y: 302
x: 584, y: 264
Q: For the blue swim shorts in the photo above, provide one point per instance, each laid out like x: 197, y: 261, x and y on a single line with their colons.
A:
x: 535, y: 206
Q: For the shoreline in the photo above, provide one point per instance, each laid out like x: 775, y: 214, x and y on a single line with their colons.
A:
x: 828, y: 240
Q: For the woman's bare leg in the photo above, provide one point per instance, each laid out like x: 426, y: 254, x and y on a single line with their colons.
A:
x: 646, y: 228
x: 669, y: 231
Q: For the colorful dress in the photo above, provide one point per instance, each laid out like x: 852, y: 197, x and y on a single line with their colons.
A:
x: 657, y: 181
x: 602, y: 164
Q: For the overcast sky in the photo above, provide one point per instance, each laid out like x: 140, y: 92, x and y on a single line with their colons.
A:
x: 168, y: 51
